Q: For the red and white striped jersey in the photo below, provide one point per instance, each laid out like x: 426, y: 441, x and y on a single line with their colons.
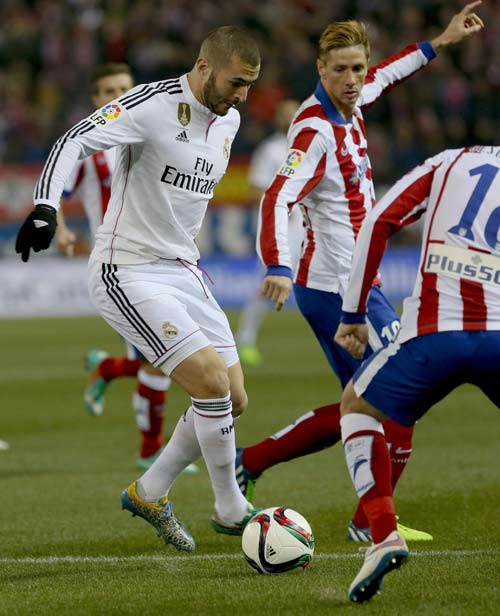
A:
x: 327, y: 171
x: 91, y: 177
x: 458, y: 281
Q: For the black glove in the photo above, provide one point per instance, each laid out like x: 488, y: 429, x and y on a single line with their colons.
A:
x: 37, y: 231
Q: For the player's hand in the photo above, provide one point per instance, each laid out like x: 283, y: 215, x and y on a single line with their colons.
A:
x: 353, y: 338
x: 65, y: 239
x: 37, y: 231
x: 461, y: 26
x: 277, y: 289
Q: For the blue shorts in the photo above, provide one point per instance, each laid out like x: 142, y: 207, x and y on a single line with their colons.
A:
x: 323, y: 309
x: 405, y: 380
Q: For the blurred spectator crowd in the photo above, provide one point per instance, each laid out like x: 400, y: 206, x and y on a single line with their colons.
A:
x: 49, y: 47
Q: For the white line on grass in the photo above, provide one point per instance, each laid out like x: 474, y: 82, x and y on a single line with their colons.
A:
x: 54, y: 560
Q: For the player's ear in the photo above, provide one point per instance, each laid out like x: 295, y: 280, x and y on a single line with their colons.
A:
x: 204, y: 67
x: 321, y: 68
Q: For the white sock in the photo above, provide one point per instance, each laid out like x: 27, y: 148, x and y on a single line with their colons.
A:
x: 181, y: 450
x: 214, y: 427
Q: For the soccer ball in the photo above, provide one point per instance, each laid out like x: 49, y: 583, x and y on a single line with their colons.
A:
x: 278, y: 539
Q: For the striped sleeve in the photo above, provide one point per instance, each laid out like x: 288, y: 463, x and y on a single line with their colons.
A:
x: 394, y: 70
x: 302, y: 170
x: 114, y: 124
x: 403, y: 204
x: 86, y: 138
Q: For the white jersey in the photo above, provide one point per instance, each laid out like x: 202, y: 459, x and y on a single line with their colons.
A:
x: 458, y: 281
x: 173, y: 153
x: 91, y: 178
x: 328, y: 171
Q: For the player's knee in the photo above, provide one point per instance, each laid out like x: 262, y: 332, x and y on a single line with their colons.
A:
x: 349, y: 400
x: 214, y: 382
x: 240, y: 402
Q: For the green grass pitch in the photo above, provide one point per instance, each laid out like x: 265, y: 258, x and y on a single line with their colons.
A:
x: 67, y: 548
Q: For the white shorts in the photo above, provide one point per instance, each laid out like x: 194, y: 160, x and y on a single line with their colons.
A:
x: 163, y: 308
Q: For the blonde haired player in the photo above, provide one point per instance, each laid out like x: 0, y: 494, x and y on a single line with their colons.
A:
x: 329, y: 172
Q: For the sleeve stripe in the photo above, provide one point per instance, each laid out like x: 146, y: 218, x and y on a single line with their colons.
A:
x: 303, y: 140
x: 41, y: 191
x: 268, y: 244
x: 149, y: 93
x: 391, y: 60
x: 305, y: 262
x: 314, y: 111
x: 427, y: 49
x: 128, y: 98
x: 38, y: 188
x: 319, y: 172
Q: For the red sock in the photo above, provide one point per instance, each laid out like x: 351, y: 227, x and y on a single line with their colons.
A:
x: 149, y: 406
x: 311, y: 432
x: 398, y: 438
x: 377, y: 502
x: 113, y: 367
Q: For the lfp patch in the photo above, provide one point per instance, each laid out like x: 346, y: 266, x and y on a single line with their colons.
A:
x: 293, y: 160
x: 108, y: 113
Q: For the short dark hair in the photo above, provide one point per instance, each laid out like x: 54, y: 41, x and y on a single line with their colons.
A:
x: 221, y: 44
x: 106, y: 70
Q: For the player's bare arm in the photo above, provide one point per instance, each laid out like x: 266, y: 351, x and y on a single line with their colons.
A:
x: 461, y: 26
x: 277, y: 289
x: 353, y: 337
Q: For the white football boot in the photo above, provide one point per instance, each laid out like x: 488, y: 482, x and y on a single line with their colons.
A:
x: 380, y: 559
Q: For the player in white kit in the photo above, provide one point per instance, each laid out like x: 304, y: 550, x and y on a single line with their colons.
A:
x: 175, y: 140
x: 450, y: 327
x: 264, y: 162
x: 91, y: 179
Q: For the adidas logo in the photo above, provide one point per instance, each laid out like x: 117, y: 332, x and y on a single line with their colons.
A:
x: 271, y: 551
x: 182, y: 136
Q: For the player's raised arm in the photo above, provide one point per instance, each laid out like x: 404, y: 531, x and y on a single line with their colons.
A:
x: 461, y: 26
x: 400, y: 66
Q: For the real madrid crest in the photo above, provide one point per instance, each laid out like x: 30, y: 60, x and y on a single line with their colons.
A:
x: 226, y: 148
x: 169, y: 330
x: 184, y: 113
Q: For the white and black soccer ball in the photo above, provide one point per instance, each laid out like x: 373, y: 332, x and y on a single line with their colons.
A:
x: 278, y: 539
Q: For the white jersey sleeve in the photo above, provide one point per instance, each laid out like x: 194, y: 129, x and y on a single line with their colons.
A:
x: 107, y: 127
x: 172, y: 152
x: 71, y: 183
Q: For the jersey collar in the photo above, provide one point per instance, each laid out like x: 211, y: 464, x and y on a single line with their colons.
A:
x: 193, y: 101
x: 328, y: 107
